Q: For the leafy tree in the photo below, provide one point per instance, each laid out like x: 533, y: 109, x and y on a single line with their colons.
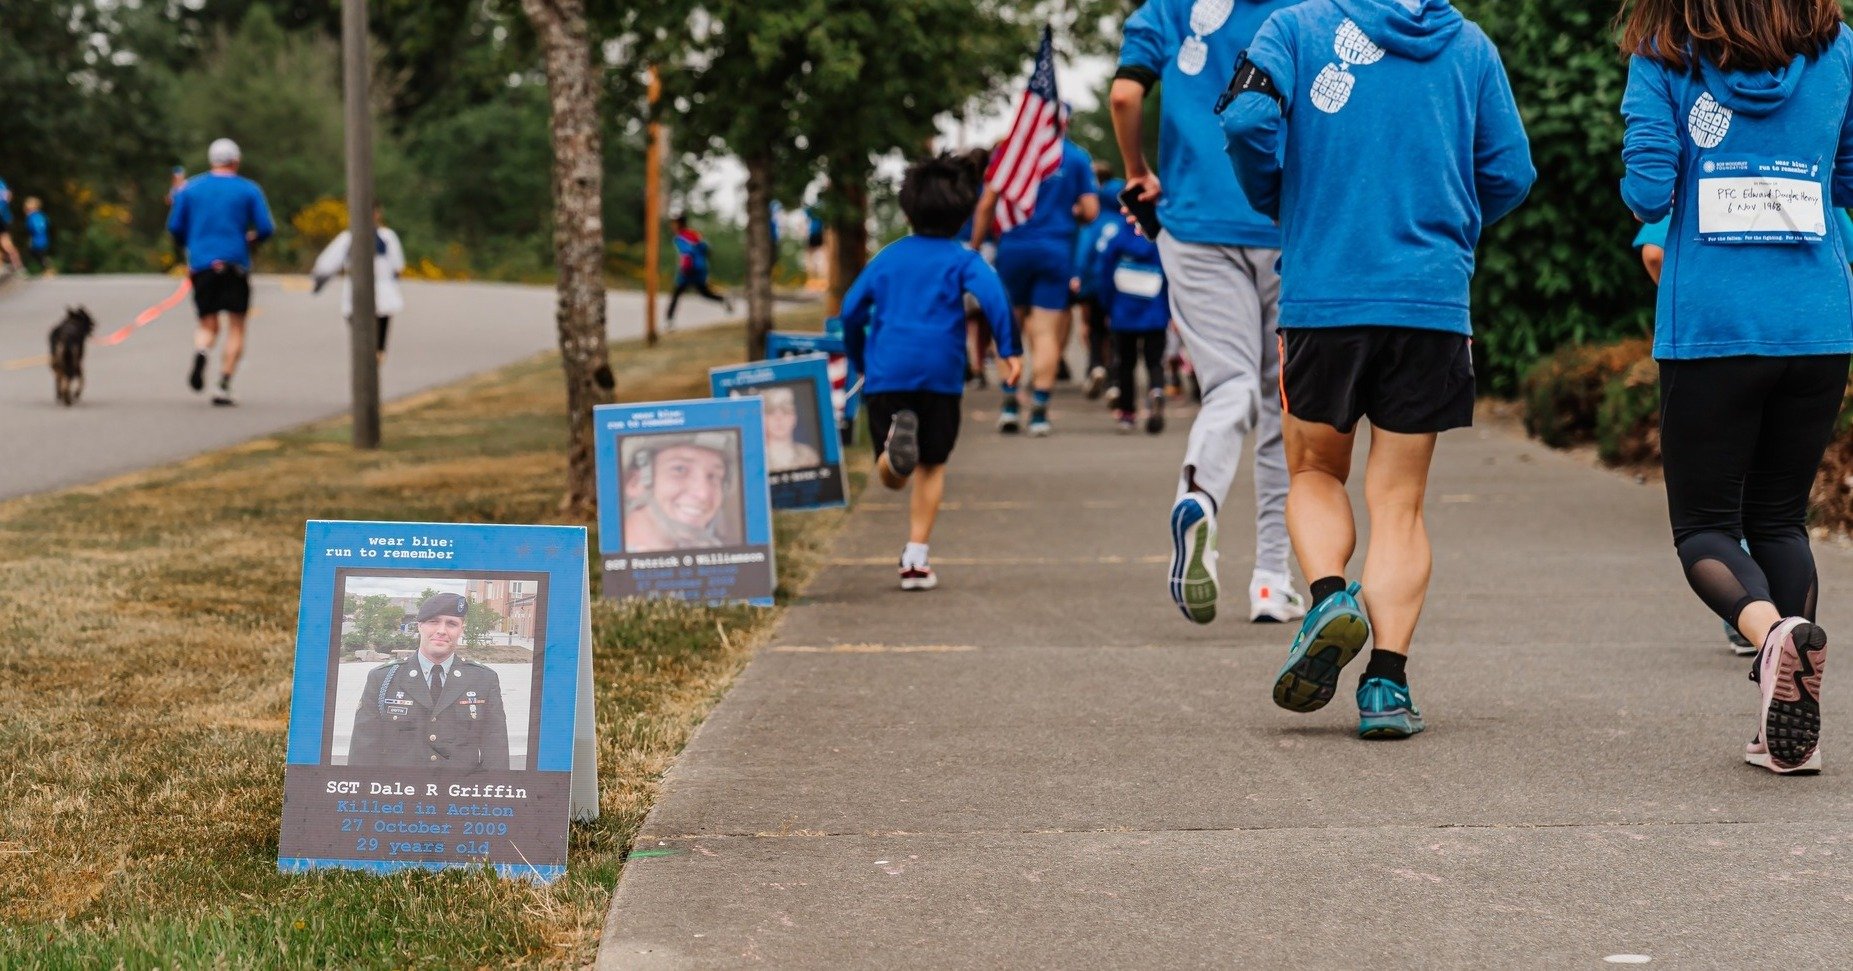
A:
x: 377, y: 621
x: 479, y: 620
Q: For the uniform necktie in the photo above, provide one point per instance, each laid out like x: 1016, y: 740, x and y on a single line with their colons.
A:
x: 437, y: 681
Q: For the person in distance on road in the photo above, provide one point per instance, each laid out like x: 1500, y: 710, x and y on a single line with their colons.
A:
x: 217, y: 217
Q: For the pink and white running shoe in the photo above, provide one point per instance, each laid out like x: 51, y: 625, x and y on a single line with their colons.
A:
x: 1789, y: 669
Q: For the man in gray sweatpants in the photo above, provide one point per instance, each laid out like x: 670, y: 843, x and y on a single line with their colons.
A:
x: 1220, y: 259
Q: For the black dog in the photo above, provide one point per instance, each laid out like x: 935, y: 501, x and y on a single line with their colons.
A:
x: 67, y: 353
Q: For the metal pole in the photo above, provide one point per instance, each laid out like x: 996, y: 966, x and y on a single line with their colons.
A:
x: 365, y: 328
x: 652, y: 212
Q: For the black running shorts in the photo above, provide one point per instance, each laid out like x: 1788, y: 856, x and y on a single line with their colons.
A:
x: 939, y: 421
x: 225, y: 289
x: 1404, y: 380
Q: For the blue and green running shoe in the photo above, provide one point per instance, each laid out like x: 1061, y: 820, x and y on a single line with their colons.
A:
x: 1385, y: 710
x: 1330, y: 636
x: 1193, y: 557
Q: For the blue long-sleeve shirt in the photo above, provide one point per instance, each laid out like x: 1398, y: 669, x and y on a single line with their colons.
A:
x: 38, y: 230
x: 904, y: 318
x: 1748, y: 164
x: 1405, y: 144
x: 211, y: 215
x: 1131, y: 283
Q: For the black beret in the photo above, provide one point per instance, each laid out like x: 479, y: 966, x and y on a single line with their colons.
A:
x: 443, y: 605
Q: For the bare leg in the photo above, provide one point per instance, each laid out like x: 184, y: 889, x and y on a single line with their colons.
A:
x: 1398, y: 563
x: 889, y: 477
x: 1319, y: 517
x: 1756, y: 620
x: 234, y: 344
x: 923, y: 509
x: 1042, y: 329
x: 206, y: 334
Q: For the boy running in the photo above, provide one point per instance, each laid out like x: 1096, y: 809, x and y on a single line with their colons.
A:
x: 1374, y: 298
x: 38, y: 235
x: 904, y: 329
x: 691, y: 268
x: 1132, y: 289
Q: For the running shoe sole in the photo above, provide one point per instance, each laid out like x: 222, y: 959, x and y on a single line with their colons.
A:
x: 903, y: 446
x: 1040, y: 429
x: 927, y: 582
x: 1791, y: 705
x: 1269, y: 612
x: 1008, y: 423
x: 1193, y: 551
x: 1308, y: 682
x: 1096, y: 382
x: 1395, y: 723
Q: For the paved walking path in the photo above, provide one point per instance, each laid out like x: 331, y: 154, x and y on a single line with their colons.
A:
x: 137, y: 410
x: 1041, y: 764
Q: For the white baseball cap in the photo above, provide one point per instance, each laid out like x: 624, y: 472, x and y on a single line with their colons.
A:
x: 223, y: 151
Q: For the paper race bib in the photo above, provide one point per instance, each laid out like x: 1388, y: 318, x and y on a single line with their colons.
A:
x: 1759, y: 199
x: 1138, y: 280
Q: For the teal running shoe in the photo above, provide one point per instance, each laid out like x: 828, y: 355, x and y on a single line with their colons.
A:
x: 1330, y: 636
x: 1385, y: 710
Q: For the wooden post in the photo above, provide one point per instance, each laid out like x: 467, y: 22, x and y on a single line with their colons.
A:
x: 652, y: 212
x: 364, y: 332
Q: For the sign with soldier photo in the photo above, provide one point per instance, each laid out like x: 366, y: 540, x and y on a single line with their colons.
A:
x: 442, y: 707
x: 845, y: 384
x: 683, y: 505
x: 804, y: 459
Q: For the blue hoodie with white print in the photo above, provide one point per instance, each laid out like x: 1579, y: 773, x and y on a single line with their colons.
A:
x: 1405, y: 143
x: 1749, y: 162
x: 1191, y: 46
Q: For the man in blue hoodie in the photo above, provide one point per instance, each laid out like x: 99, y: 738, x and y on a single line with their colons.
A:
x: 1218, y: 255
x: 217, y: 218
x: 1376, y: 257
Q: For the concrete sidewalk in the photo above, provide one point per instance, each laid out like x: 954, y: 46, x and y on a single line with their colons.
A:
x: 1042, y: 764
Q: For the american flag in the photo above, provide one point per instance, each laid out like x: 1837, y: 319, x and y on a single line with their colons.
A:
x: 1033, y: 149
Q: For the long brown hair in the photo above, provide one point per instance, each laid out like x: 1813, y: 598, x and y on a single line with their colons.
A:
x: 1734, y: 35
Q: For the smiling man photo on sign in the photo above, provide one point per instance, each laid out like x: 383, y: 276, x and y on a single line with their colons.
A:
x: 433, y: 708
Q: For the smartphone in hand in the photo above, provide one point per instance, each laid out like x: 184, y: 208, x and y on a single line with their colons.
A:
x: 1144, y: 211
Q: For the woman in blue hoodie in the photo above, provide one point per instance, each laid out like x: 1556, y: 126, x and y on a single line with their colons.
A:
x: 1737, y: 114
x: 1376, y: 258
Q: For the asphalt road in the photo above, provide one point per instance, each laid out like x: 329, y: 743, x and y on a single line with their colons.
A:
x: 137, y: 410
x: 1041, y: 765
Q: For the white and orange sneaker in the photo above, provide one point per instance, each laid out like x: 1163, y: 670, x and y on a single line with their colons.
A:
x: 1271, y: 597
x: 1788, y: 670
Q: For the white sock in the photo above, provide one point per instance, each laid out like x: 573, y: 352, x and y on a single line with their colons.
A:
x: 915, y: 555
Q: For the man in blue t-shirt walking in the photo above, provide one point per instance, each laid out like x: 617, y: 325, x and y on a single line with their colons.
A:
x: 1219, y: 258
x: 1035, y: 259
x: 217, y: 218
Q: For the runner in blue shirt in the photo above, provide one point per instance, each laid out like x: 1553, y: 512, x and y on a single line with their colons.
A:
x: 217, y: 218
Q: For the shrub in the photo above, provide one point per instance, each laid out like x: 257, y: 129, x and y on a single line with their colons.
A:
x: 1628, y: 418
x: 1563, y: 393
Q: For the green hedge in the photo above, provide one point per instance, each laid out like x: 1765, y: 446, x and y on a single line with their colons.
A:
x: 1560, y: 270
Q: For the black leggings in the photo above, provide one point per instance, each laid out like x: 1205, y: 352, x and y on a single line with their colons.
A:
x: 1097, y: 333
x: 1741, y: 439
x: 1126, y: 357
x: 699, y: 286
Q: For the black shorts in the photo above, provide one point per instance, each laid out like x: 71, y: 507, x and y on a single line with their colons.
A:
x: 939, y: 421
x: 1403, y: 379
x: 384, y: 323
x: 223, y: 290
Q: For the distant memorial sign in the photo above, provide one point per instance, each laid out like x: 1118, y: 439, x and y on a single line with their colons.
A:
x: 845, y: 384
x: 683, y: 506
x: 804, y: 458
x: 442, y: 713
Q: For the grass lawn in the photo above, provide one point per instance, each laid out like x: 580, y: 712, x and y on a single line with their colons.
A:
x: 147, y: 632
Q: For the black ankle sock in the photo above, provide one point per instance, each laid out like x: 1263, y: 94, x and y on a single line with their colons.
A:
x: 1326, y: 587
x: 1387, y: 665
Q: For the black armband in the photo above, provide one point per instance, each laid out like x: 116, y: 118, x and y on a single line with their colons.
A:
x: 1146, y: 77
x: 1248, y: 78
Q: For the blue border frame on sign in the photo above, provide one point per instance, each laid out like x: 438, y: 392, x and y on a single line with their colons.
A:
x: 330, y: 547
x: 610, y: 423
x: 783, y: 343
x: 814, y: 368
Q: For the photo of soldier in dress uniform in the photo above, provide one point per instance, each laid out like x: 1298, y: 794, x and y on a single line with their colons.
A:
x: 433, y: 708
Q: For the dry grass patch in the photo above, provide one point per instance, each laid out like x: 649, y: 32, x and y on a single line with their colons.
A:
x: 146, y: 646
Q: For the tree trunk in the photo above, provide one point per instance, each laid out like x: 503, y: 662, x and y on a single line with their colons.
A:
x: 759, y: 254
x: 578, y: 232
x: 850, y: 218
